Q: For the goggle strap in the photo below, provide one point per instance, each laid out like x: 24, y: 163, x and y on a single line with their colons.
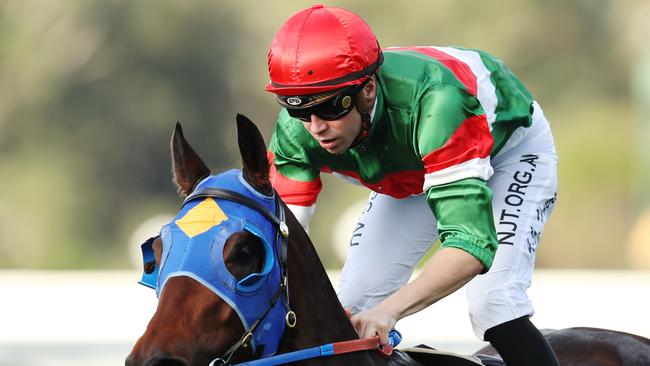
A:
x: 317, y: 99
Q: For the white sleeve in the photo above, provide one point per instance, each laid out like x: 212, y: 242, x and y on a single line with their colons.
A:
x: 303, y: 214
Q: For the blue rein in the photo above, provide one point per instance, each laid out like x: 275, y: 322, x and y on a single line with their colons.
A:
x: 330, y: 349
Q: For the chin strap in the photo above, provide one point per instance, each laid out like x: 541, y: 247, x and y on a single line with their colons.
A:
x: 365, y: 129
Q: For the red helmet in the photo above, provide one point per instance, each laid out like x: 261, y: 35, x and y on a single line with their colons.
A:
x: 321, y: 49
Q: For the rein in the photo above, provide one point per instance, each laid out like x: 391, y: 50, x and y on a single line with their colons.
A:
x: 330, y: 349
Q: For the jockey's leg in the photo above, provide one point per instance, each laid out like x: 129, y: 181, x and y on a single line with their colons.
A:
x: 519, y: 342
x: 391, y: 237
x: 524, y: 185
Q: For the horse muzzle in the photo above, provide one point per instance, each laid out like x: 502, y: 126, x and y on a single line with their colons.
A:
x: 157, y: 360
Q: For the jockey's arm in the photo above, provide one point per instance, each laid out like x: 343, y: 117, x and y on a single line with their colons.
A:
x: 303, y: 214
x: 468, y: 244
x: 446, y: 271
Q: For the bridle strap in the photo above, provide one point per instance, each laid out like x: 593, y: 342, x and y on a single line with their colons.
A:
x: 283, y: 233
x: 245, y: 338
x: 235, y: 197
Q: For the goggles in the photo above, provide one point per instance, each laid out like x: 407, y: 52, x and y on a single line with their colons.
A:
x: 328, y: 106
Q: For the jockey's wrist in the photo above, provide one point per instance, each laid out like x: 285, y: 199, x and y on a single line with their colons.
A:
x: 395, y: 306
x: 446, y: 271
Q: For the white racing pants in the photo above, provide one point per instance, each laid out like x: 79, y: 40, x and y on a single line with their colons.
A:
x: 392, y: 235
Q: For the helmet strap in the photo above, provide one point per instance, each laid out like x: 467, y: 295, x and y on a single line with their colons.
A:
x: 365, y: 128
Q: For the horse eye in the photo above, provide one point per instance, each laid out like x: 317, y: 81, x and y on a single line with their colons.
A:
x: 243, y: 254
x: 157, y: 247
x: 149, y: 267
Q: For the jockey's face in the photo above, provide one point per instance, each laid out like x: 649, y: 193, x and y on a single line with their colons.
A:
x: 335, y: 136
x: 338, y: 135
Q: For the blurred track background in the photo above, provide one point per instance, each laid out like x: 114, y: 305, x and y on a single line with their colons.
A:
x: 90, y: 92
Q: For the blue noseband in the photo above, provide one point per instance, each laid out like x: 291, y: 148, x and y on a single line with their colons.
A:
x: 193, y: 244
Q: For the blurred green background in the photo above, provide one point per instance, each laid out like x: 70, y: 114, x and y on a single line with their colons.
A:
x: 90, y: 92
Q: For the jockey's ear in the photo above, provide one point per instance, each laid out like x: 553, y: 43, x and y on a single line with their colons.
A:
x: 253, y: 154
x: 187, y: 166
x: 367, y: 96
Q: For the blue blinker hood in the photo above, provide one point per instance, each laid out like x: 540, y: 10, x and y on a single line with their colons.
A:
x: 193, y: 244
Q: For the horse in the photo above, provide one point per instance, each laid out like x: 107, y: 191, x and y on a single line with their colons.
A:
x: 238, y: 279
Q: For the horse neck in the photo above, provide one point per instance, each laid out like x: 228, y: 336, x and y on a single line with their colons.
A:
x: 321, y: 318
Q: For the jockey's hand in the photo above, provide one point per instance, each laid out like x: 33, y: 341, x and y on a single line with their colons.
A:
x: 373, y: 322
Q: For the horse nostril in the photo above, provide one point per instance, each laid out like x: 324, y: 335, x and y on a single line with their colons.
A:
x: 131, y: 361
x: 166, y: 361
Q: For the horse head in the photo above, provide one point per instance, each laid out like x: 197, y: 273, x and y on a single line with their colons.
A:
x: 217, y: 266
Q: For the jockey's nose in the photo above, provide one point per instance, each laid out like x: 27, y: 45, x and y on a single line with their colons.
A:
x: 317, y: 125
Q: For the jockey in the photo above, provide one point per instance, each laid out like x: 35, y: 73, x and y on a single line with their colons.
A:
x: 452, y: 146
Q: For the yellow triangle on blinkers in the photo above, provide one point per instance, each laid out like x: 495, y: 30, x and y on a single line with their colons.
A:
x: 201, y: 218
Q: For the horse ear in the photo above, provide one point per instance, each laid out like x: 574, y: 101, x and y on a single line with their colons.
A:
x: 187, y: 166
x: 253, y: 153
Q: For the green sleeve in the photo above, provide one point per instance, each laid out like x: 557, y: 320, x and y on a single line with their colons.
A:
x: 465, y: 221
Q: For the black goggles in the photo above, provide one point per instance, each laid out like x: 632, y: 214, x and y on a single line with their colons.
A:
x: 327, y: 106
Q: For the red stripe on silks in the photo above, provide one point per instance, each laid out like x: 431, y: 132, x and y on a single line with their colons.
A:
x: 462, y: 71
x: 471, y: 140
x: 396, y: 184
x: 293, y: 192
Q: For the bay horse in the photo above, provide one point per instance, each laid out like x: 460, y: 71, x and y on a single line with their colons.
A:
x: 238, y: 279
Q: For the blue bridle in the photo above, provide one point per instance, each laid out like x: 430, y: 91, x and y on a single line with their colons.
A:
x: 193, y: 242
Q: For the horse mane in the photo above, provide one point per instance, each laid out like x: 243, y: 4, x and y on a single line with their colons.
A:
x: 321, y: 317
